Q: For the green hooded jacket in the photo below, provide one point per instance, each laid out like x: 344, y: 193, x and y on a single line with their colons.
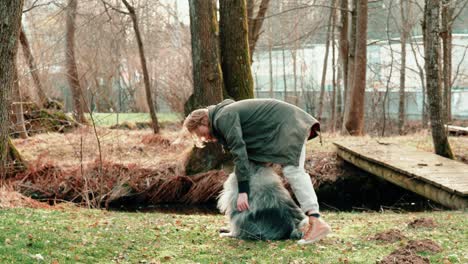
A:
x: 260, y: 130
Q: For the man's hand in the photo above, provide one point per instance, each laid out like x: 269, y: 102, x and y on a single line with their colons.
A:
x: 242, y: 202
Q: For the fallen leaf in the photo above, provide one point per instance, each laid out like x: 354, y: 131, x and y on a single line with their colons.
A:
x: 38, y: 257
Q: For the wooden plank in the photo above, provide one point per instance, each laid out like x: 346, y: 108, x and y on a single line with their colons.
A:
x: 457, y: 130
x: 416, y: 185
x: 428, y: 167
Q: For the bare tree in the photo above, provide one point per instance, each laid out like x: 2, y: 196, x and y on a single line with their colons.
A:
x: 20, y: 127
x: 351, y: 57
x: 354, y: 120
x: 10, y: 16
x: 146, y: 79
x: 446, y: 35
x: 404, y: 32
x: 432, y: 47
x: 344, y: 49
x: 72, y: 70
x: 235, y: 54
x: 448, y: 15
x: 33, y: 68
x: 255, y: 24
x: 325, y: 64
x: 334, y: 86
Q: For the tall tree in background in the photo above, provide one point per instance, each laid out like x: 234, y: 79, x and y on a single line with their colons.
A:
x: 235, y: 54
x: 207, y: 74
x: 354, y: 120
x: 404, y: 33
x: 351, y: 57
x: 434, y: 95
x: 17, y: 106
x: 27, y: 53
x: 344, y: 49
x: 255, y: 23
x: 446, y: 35
x: 72, y: 70
x: 325, y: 63
x: 70, y: 60
x: 146, y: 78
x: 10, y: 21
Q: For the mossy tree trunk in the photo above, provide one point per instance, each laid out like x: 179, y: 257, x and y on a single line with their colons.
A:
x: 14, y: 157
x: 207, y: 79
x: 235, y: 56
x: 207, y: 74
x: 10, y: 22
x: 433, y: 81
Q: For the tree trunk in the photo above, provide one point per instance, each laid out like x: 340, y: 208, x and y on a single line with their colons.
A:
x: 235, y: 55
x: 20, y: 127
x: 389, y: 78
x: 72, y: 71
x: 325, y: 64
x: 43, y: 99
x: 294, y: 60
x: 146, y: 79
x: 423, y: 86
x: 10, y: 21
x: 255, y: 24
x: 339, y: 101
x: 207, y: 75
x: 333, y: 97
x: 207, y: 79
x: 284, y: 76
x: 433, y: 82
x: 351, y: 65
x: 446, y: 35
x: 355, y: 118
x: 403, y: 37
x: 344, y: 49
x: 270, y: 63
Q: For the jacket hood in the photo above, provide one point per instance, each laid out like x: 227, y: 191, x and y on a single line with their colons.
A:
x: 213, y: 110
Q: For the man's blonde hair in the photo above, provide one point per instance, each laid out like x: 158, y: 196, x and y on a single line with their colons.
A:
x: 197, y: 118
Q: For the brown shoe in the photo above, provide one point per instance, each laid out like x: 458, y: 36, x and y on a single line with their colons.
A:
x: 317, y: 230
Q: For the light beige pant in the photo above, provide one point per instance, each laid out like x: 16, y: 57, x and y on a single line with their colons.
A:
x: 301, y: 184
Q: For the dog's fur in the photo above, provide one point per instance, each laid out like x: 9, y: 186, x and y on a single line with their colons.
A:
x: 272, y: 215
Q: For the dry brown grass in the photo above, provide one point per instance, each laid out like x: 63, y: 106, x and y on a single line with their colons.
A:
x: 126, y: 147
x: 138, y: 163
x: 12, y: 199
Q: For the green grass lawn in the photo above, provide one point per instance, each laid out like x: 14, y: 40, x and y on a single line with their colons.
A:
x: 109, y: 119
x: 75, y: 235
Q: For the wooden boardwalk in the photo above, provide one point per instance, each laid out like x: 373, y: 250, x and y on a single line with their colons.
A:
x: 440, y: 179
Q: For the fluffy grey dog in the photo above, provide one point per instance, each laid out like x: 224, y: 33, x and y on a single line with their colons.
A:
x: 272, y: 215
